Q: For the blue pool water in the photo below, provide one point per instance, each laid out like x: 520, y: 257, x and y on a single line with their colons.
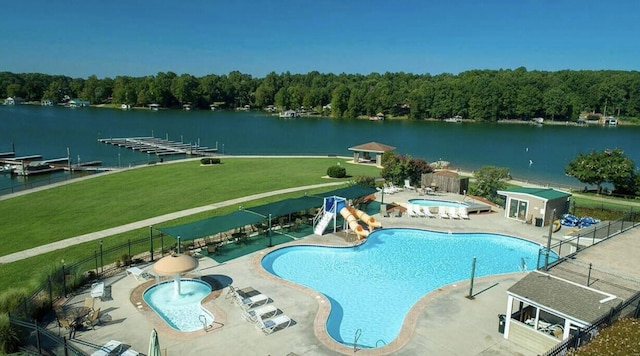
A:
x: 183, y: 312
x: 436, y: 203
x: 371, y: 287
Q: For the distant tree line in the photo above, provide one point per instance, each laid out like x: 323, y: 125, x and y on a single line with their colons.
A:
x: 487, y: 95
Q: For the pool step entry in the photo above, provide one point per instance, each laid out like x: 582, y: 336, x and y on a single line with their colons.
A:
x: 324, y: 221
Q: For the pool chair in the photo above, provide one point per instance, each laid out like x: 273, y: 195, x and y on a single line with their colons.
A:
x: 252, y: 302
x: 263, y: 312
x: 407, y: 184
x: 270, y: 325
x: 453, y: 213
x: 97, y: 290
x: 442, y: 212
x: 463, y: 212
x: 425, y: 210
x: 411, y: 211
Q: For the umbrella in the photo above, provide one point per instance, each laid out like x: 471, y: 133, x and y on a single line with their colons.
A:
x: 154, y: 344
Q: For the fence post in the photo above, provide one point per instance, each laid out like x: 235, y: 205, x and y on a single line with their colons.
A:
x: 129, y: 249
x: 101, y: 260
x: 50, y: 291
x: 609, y: 228
x: 95, y: 257
x: 35, y: 323
x: 589, y: 275
x: 473, y: 272
x: 161, y: 244
x: 64, y: 281
x: 151, y: 241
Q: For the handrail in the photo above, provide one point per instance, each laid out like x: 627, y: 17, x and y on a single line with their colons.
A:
x: 203, y: 320
x: 379, y: 340
x: 355, y: 340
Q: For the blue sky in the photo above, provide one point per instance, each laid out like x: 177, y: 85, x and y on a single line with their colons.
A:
x: 138, y: 38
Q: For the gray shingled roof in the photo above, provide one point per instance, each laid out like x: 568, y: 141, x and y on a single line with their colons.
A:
x: 554, y: 294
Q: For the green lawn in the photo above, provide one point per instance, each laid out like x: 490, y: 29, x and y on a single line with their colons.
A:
x: 116, y: 199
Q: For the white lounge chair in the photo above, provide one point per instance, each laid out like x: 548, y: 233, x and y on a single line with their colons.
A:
x: 263, y: 312
x: 97, y: 290
x: 427, y: 212
x: 463, y: 212
x: 253, y: 301
x: 442, y: 212
x: 394, y: 187
x: 407, y: 184
x: 411, y: 211
x: 418, y: 209
x: 269, y: 325
x: 110, y: 348
x: 137, y: 273
x: 453, y: 212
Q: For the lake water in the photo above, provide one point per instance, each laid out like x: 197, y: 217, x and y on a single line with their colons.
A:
x: 530, y: 152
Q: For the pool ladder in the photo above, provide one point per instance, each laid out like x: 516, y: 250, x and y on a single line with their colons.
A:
x: 203, y: 320
x: 355, y: 340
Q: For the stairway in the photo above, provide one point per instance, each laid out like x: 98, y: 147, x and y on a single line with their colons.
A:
x: 322, y: 224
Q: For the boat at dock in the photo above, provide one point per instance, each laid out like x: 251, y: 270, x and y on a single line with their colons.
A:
x: 35, y: 167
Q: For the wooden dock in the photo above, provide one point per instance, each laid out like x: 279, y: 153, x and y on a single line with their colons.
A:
x: 158, y: 146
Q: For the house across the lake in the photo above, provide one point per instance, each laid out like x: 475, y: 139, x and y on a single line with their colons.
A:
x: 13, y: 100
x: 77, y: 103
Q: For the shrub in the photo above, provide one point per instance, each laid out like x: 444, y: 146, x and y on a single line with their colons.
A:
x: 366, y: 181
x: 9, y: 340
x: 336, y: 172
x: 209, y: 160
x: 11, y: 298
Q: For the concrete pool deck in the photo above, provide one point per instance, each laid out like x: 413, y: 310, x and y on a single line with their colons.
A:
x: 445, y: 322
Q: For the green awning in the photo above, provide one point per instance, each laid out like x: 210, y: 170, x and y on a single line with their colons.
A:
x: 213, y: 225
x: 289, y: 206
x: 351, y: 192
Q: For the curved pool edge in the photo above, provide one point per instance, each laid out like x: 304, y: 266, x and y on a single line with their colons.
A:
x: 408, y: 327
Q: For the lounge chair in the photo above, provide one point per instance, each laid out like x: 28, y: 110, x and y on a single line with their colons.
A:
x: 442, y: 212
x: 419, y: 211
x: 463, y: 212
x: 263, y: 312
x: 427, y: 212
x: 407, y: 184
x: 97, y: 290
x: 113, y: 347
x: 268, y: 326
x: 453, y: 213
x: 137, y: 273
x: 252, y: 302
x: 410, y: 210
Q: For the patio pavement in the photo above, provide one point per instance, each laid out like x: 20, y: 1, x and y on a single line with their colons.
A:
x: 445, y: 321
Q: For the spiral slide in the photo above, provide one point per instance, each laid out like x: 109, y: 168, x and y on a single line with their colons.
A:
x: 366, y: 218
x: 353, y: 223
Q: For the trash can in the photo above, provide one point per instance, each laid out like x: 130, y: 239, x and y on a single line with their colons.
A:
x: 501, y: 322
x: 539, y: 222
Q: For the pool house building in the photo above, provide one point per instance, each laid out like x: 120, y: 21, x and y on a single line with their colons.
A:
x: 529, y: 204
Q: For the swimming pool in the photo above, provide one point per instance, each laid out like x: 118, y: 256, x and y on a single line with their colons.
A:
x: 371, y: 287
x: 436, y: 203
x: 183, y: 312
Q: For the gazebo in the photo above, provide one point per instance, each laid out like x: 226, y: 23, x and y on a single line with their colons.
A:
x: 370, y: 152
x: 175, y: 265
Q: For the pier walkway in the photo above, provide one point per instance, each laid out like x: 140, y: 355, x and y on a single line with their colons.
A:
x: 158, y: 146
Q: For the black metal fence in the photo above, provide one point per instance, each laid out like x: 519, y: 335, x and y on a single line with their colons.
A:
x: 629, y: 309
x: 99, y: 263
x: 585, y: 238
x: 36, y: 340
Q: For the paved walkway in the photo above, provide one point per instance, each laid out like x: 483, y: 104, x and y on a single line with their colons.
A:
x: 149, y: 222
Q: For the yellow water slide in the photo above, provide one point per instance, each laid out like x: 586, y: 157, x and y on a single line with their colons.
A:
x: 366, y: 218
x: 353, y: 223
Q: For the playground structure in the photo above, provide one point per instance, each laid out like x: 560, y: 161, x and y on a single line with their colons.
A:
x: 329, y: 212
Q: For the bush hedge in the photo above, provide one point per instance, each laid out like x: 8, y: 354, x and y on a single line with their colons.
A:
x: 209, y: 160
x: 336, y: 172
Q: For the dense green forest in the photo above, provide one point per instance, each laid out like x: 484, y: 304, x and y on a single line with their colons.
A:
x: 488, y: 95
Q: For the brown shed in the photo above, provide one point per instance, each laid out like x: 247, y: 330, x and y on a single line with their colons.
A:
x: 445, y: 181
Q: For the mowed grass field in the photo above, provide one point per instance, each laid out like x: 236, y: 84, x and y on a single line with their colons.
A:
x: 111, y: 200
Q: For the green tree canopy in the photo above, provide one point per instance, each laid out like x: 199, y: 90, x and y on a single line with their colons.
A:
x: 597, y: 168
x: 488, y: 180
